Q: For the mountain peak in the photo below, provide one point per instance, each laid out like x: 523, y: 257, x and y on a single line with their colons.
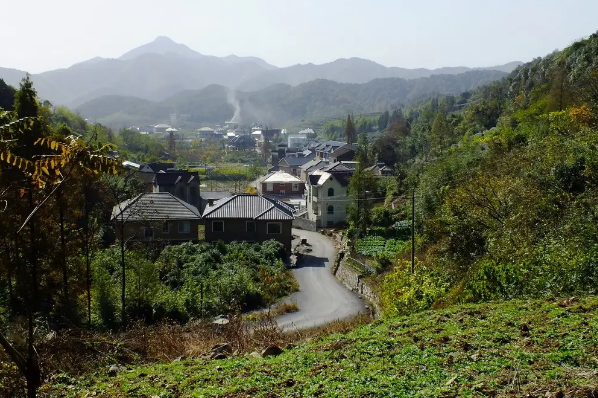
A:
x: 164, y: 39
x: 162, y: 45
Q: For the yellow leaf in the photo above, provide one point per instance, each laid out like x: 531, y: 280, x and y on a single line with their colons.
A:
x: 52, y: 164
x: 57, y: 171
x: 45, y: 170
x: 53, y: 145
x: 8, y: 158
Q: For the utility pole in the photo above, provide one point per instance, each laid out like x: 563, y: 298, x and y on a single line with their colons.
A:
x: 413, y: 232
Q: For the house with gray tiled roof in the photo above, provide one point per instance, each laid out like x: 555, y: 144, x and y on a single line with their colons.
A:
x: 249, y: 218
x: 156, y: 216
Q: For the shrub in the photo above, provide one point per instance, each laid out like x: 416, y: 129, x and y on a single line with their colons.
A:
x: 403, y: 292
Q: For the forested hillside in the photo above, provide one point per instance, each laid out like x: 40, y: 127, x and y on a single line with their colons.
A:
x: 506, y: 187
x: 280, y: 104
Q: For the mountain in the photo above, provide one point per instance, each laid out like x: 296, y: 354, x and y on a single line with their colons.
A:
x: 162, y: 68
x: 352, y: 70
x: 162, y: 46
x: 281, y: 103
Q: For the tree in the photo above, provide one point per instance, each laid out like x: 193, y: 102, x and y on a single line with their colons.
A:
x: 362, y: 186
x: 266, y: 150
x: 364, y: 153
x: 34, y: 166
x: 383, y: 121
x: 350, y: 131
x: 7, y: 96
x: 441, y: 132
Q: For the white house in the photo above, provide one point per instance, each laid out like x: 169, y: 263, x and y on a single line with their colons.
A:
x: 327, y: 197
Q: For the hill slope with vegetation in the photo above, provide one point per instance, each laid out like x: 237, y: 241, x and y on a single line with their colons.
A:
x: 280, y: 104
x: 505, y: 184
x: 507, y: 349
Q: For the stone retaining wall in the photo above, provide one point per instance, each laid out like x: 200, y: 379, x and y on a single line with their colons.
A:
x: 304, y: 223
x: 353, y: 280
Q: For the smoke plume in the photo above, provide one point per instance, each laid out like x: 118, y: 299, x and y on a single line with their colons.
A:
x: 232, y: 99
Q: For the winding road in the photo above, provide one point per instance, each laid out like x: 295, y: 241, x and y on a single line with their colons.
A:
x: 321, y: 297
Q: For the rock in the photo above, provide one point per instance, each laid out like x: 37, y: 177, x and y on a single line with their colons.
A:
x: 271, y: 351
x: 218, y: 355
x: 179, y: 359
x: 222, y: 348
x: 115, y: 369
x: 256, y: 354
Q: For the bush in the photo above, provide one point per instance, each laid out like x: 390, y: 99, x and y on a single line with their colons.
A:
x: 403, y: 292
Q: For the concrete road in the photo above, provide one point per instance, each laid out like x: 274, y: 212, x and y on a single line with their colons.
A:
x: 321, y: 298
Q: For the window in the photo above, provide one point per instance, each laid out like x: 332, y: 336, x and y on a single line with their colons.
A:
x: 165, y: 228
x: 217, y: 226
x: 330, y: 209
x: 283, y: 192
x: 274, y: 228
x: 184, y: 227
x: 149, y: 232
x: 250, y: 226
x: 330, y: 191
x: 295, y: 186
x: 269, y: 187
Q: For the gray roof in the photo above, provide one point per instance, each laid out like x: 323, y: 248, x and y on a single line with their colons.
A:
x: 297, y: 160
x: 329, y: 146
x: 156, y: 206
x: 347, y: 148
x: 338, y: 166
x: 255, y: 207
x: 314, y: 164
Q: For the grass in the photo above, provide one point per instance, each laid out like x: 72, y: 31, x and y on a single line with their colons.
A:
x: 515, y: 348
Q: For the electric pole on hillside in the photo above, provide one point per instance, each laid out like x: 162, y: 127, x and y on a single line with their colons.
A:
x: 413, y: 231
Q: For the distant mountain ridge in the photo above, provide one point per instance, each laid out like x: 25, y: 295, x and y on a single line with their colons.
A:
x: 162, y: 68
x: 280, y: 103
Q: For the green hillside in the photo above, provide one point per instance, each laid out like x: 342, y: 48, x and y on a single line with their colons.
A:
x: 506, y: 187
x: 282, y: 104
x: 513, y: 348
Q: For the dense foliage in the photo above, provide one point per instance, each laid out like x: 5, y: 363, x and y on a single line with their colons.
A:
x: 505, y: 178
x: 190, y: 281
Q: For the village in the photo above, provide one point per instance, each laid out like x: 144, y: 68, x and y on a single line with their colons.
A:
x: 306, y: 187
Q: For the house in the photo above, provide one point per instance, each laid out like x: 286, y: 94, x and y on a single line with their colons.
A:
x: 311, y: 166
x: 156, y: 216
x: 249, y: 218
x: 182, y: 184
x: 386, y: 171
x: 346, y: 152
x: 241, y: 143
x: 292, y: 164
x: 281, y: 184
x: 157, y: 167
x: 161, y: 128
x: 206, y: 133
x: 324, y: 149
x: 327, y: 198
x: 297, y: 141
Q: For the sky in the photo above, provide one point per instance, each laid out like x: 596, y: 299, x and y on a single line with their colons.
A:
x: 40, y: 35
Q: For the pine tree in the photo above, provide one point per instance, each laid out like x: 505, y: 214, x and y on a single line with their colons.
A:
x: 350, y: 131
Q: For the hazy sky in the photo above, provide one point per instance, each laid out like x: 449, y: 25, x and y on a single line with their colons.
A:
x: 38, y: 35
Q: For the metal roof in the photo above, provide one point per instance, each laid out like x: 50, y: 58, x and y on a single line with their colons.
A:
x: 156, y: 206
x: 255, y: 207
x: 281, y: 177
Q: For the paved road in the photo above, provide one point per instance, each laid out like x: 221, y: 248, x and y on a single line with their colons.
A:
x: 321, y: 298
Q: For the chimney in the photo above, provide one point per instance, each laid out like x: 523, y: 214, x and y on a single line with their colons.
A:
x: 210, y: 202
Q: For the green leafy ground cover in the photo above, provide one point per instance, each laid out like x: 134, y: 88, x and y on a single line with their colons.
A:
x: 372, y: 245
x: 514, y: 348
